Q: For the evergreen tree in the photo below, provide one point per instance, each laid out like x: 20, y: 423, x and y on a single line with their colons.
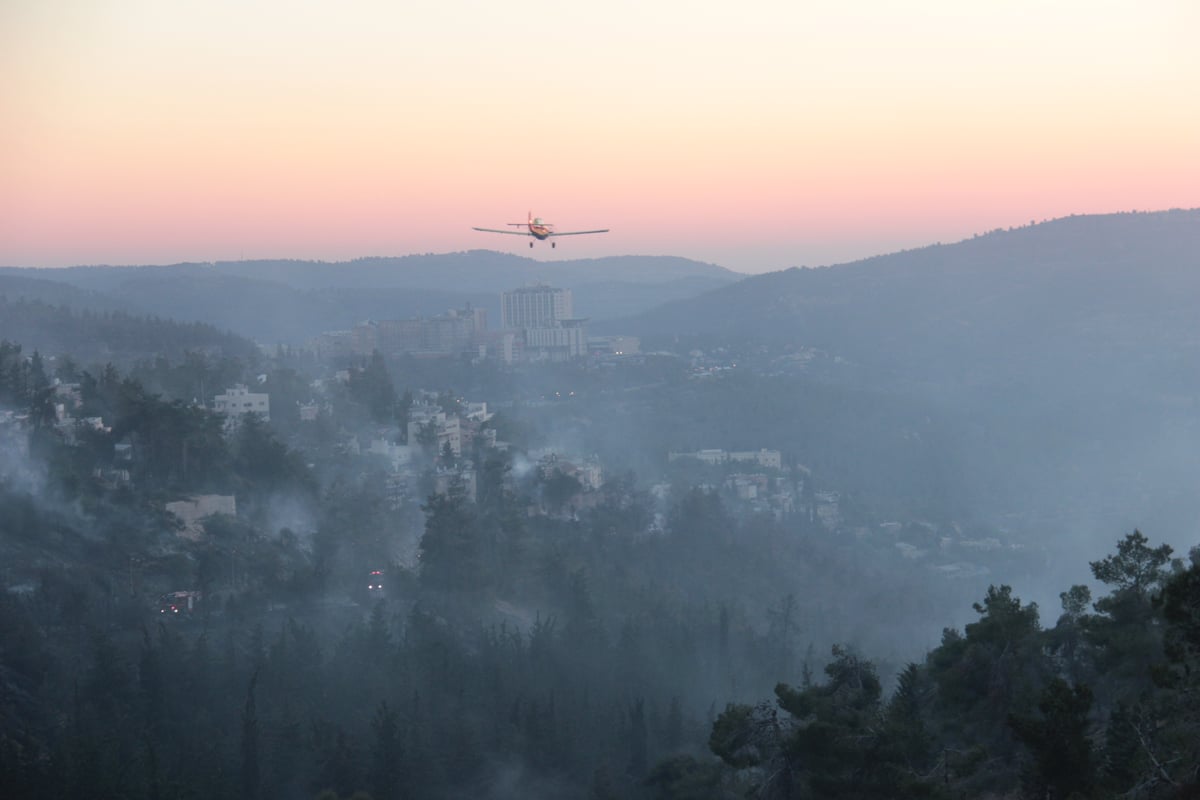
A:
x: 1128, y: 641
x: 638, y: 740
x: 250, y: 767
x: 386, y: 754
x: 1058, y: 741
x: 450, y: 550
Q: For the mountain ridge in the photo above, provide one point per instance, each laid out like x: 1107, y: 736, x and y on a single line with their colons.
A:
x: 1059, y: 276
x: 291, y: 301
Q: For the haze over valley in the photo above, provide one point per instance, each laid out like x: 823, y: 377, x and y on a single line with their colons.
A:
x: 623, y: 401
x: 643, y: 489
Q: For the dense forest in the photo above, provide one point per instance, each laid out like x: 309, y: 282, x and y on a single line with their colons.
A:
x: 522, y: 652
x: 108, y: 335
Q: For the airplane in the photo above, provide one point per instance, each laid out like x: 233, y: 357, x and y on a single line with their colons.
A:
x: 537, y: 229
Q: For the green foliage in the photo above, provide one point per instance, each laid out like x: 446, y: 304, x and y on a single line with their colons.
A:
x: 528, y: 654
x: 1134, y: 568
x: 1058, y: 741
x: 685, y: 778
x: 995, y: 667
x: 1075, y: 601
x: 427, y: 436
x: 1128, y: 641
x: 265, y: 465
x: 23, y: 381
x: 387, y: 754
x: 700, y: 518
x: 1180, y: 606
x: 250, y: 772
x: 372, y: 387
x: 451, y: 549
x: 1174, y: 731
x: 742, y: 736
x: 836, y: 739
x: 638, y: 743
x: 1123, y: 757
x: 95, y: 335
x: 558, y: 488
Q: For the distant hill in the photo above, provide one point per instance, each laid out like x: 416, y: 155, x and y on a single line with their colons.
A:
x: 481, y: 270
x: 92, y: 337
x: 291, y: 301
x: 1103, y: 287
x: 1064, y: 356
x: 17, y: 285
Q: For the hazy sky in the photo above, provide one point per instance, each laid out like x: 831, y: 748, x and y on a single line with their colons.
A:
x: 756, y: 135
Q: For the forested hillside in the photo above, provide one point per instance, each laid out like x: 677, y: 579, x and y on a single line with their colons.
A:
x: 18, y: 285
x: 524, y: 651
x: 100, y: 335
x: 374, y: 613
x: 1054, y: 362
x: 1000, y: 306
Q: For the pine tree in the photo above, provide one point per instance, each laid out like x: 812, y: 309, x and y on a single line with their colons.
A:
x: 638, y: 740
x: 386, y: 754
x: 1062, y: 753
x: 250, y: 768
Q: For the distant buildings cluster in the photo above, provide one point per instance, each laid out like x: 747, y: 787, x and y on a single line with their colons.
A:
x: 754, y: 481
x: 455, y: 332
x: 767, y: 459
x: 538, y: 323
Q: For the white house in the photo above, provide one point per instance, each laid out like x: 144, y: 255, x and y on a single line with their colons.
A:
x: 240, y: 400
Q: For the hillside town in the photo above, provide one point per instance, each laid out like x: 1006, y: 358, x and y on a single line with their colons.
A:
x: 538, y: 323
x: 835, y: 436
x: 432, y: 442
x: 417, y: 545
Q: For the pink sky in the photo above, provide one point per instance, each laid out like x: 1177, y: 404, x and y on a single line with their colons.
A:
x: 757, y: 135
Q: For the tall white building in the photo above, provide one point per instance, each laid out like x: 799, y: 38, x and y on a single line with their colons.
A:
x: 545, y: 316
x: 538, y: 306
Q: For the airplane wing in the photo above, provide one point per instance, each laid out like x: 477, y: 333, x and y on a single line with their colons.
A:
x: 577, y: 233
x: 496, y: 230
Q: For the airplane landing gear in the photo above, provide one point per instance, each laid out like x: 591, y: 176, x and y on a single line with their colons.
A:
x: 531, y: 244
x: 553, y: 244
